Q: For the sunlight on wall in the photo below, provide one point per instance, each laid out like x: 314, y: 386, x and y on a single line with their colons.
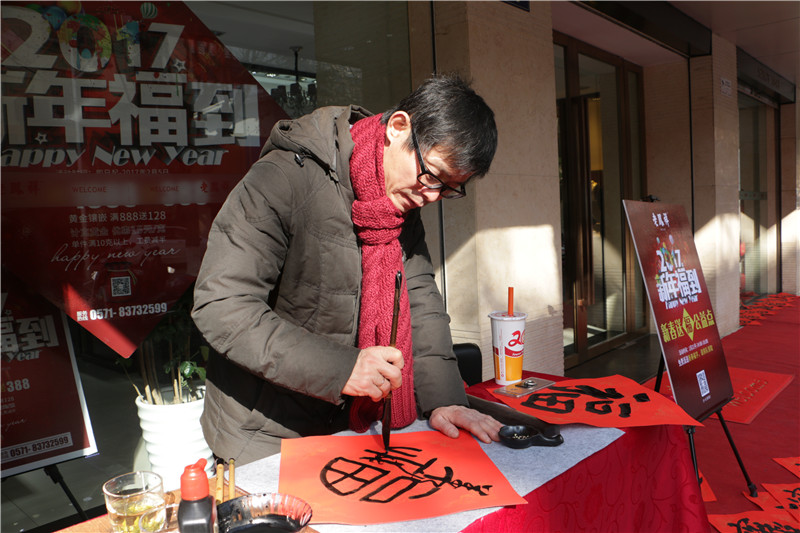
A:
x: 772, y: 258
x: 717, y: 244
x: 790, y: 252
x: 522, y: 257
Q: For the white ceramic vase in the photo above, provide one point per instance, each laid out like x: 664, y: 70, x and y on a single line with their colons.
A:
x: 173, y: 438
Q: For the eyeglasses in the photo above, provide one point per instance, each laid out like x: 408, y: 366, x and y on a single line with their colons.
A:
x: 429, y: 180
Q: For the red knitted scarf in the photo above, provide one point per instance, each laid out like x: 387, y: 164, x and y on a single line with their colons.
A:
x: 378, y: 224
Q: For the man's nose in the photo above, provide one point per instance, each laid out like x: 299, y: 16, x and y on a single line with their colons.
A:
x: 430, y: 195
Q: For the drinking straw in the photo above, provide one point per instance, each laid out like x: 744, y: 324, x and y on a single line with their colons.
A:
x: 511, y: 301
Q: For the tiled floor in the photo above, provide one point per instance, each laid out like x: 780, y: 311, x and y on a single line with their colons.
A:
x: 33, y: 502
x: 637, y: 360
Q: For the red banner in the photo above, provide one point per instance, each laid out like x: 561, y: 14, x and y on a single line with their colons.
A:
x: 45, y: 420
x: 608, y: 402
x: 681, y: 307
x: 755, y: 521
x: 126, y: 124
x: 424, y: 474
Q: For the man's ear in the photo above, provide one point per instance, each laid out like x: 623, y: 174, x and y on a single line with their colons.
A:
x: 398, y: 127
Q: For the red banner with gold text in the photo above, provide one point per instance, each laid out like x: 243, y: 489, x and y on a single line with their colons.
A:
x: 681, y: 306
x: 126, y: 124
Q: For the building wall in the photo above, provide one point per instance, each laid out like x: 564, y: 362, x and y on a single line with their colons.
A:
x: 692, y: 144
x: 506, y: 232
x: 773, y: 192
x: 715, y: 139
x: 692, y: 160
x: 668, y: 133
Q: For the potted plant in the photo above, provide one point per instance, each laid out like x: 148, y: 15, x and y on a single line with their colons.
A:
x: 172, y: 349
x: 169, y: 404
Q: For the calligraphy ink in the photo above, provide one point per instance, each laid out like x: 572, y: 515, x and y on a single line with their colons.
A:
x: 197, y: 512
x: 548, y: 401
x: 561, y: 401
x: 271, y: 523
x: 345, y: 477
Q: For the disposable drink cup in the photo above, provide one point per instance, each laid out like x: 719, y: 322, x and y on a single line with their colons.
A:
x: 508, y: 345
x: 130, y: 496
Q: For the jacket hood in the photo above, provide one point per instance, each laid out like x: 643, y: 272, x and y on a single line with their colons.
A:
x: 320, y: 135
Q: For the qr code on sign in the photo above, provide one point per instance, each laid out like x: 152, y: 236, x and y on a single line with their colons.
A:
x: 702, y: 382
x: 121, y: 286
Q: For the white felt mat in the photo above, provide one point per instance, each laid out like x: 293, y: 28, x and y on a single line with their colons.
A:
x: 526, y: 470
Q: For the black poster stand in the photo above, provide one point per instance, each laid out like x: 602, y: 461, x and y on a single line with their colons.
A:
x: 691, y: 348
x: 55, y: 475
x: 690, y: 433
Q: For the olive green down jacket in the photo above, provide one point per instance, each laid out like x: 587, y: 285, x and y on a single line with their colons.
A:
x: 278, y: 293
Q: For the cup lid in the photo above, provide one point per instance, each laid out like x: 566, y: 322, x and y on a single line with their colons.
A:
x: 503, y: 315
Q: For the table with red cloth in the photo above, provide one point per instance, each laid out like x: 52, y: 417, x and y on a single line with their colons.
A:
x: 642, y: 482
x: 637, y: 480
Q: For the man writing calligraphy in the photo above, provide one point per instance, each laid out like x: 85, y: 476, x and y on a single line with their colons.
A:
x: 296, y: 288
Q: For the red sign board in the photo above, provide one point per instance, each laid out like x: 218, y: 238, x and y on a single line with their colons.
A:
x: 681, y: 306
x: 45, y: 420
x: 125, y: 125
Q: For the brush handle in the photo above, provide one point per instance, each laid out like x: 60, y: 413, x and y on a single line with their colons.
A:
x: 398, y: 282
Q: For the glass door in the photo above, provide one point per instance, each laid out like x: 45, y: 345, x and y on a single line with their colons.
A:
x: 599, y: 143
x: 757, y: 154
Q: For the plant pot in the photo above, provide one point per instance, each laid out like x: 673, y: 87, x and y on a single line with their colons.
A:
x: 173, y: 437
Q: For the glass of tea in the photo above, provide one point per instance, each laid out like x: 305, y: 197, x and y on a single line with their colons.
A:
x: 131, y: 495
x: 160, y: 520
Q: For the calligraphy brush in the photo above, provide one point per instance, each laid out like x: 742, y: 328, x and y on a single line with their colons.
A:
x: 387, y: 404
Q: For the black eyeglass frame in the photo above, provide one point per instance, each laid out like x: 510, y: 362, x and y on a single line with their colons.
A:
x: 445, y: 191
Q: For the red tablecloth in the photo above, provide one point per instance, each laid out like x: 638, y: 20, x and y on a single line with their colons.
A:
x: 642, y: 482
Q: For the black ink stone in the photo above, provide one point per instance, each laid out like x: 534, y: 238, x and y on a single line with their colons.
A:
x: 519, y: 437
x: 269, y: 524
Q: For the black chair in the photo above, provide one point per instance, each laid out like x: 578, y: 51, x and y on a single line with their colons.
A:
x: 470, y: 362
